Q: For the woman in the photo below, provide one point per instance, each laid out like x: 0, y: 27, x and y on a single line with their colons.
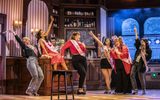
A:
x: 31, y: 54
x: 142, y: 55
x: 122, y: 63
x: 106, y: 63
x: 48, y: 49
x: 79, y: 61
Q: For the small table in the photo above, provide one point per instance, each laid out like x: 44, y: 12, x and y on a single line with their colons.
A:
x: 65, y: 73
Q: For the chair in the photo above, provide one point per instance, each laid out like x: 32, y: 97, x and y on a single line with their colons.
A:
x: 65, y: 73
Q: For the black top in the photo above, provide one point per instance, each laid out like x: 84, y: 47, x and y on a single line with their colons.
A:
x: 26, y: 50
x: 138, y: 51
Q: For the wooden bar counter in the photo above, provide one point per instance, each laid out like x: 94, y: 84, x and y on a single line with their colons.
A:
x: 18, y: 76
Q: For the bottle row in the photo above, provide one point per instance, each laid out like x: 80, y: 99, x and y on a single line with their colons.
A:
x: 55, y: 23
x: 90, y: 55
x: 87, y: 23
x: 55, y: 11
x: 80, y: 13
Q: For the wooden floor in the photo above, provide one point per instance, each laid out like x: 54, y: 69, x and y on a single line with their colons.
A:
x: 91, y: 95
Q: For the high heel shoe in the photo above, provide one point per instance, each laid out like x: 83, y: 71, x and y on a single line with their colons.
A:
x: 135, y: 92
x: 107, y: 92
x: 81, y: 92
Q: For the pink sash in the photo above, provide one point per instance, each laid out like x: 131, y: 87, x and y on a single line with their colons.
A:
x: 77, y: 47
x: 49, y: 46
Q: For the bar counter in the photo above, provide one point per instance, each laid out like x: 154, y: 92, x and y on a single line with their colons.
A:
x: 18, y: 77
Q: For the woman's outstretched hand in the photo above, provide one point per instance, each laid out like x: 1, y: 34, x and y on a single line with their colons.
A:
x: 46, y: 56
x: 91, y: 33
x: 11, y: 31
x: 52, y: 18
x: 135, y: 30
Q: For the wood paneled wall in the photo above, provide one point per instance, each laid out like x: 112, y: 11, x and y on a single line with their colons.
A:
x: 14, y: 11
x: 37, y: 18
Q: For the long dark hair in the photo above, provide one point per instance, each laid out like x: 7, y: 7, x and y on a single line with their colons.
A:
x: 104, y: 42
x: 146, y: 42
x: 38, y: 36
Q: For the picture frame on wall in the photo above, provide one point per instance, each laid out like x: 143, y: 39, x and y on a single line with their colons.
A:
x: 85, y: 37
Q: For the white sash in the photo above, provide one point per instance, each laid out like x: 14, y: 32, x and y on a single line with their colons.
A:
x: 77, y: 47
x: 109, y: 59
x: 127, y: 60
x: 145, y: 62
x: 49, y: 46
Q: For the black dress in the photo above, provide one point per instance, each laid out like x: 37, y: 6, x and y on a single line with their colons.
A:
x: 105, y: 64
x: 123, y: 83
x: 104, y: 61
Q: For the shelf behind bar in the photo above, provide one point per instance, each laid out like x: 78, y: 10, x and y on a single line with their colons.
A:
x: 85, y: 28
x: 78, y: 16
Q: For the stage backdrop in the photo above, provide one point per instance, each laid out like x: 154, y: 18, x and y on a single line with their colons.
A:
x: 147, y: 21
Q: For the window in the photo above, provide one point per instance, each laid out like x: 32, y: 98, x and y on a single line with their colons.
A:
x: 128, y: 26
x: 152, y: 26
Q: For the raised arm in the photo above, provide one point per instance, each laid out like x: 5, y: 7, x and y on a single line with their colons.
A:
x: 99, y: 42
x: 137, y: 41
x: 136, y: 33
x: 18, y: 39
x: 50, y: 26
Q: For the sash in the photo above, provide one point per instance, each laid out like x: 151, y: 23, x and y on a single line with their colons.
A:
x: 75, y: 44
x: 145, y: 62
x: 127, y: 60
x: 108, y: 58
x: 49, y: 46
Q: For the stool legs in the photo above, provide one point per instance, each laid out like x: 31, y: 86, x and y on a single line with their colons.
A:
x: 58, y: 85
x: 71, y: 79
x: 65, y: 74
x: 65, y: 83
x: 52, y: 85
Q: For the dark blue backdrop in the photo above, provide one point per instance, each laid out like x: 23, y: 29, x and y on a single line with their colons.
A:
x: 140, y: 15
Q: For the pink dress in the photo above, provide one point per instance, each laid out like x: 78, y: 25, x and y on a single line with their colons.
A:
x: 55, y: 55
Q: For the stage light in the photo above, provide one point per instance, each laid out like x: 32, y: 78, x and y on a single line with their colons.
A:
x: 157, y: 41
x: 17, y: 24
x: 154, y: 75
x: 149, y: 41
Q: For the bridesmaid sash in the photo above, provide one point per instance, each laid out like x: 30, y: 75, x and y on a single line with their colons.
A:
x: 49, y: 46
x: 77, y: 47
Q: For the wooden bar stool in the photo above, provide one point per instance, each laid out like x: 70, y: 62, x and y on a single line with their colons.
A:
x: 65, y: 73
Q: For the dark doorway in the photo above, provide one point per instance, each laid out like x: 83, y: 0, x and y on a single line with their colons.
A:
x: 2, y: 52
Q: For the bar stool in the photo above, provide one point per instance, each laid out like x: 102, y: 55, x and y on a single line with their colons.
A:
x: 65, y: 73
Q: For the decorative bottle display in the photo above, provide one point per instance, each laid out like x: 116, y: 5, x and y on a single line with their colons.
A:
x: 80, y: 18
x: 55, y: 23
x: 55, y: 11
x: 55, y: 14
x: 80, y: 13
x: 79, y: 22
x: 77, y: 18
